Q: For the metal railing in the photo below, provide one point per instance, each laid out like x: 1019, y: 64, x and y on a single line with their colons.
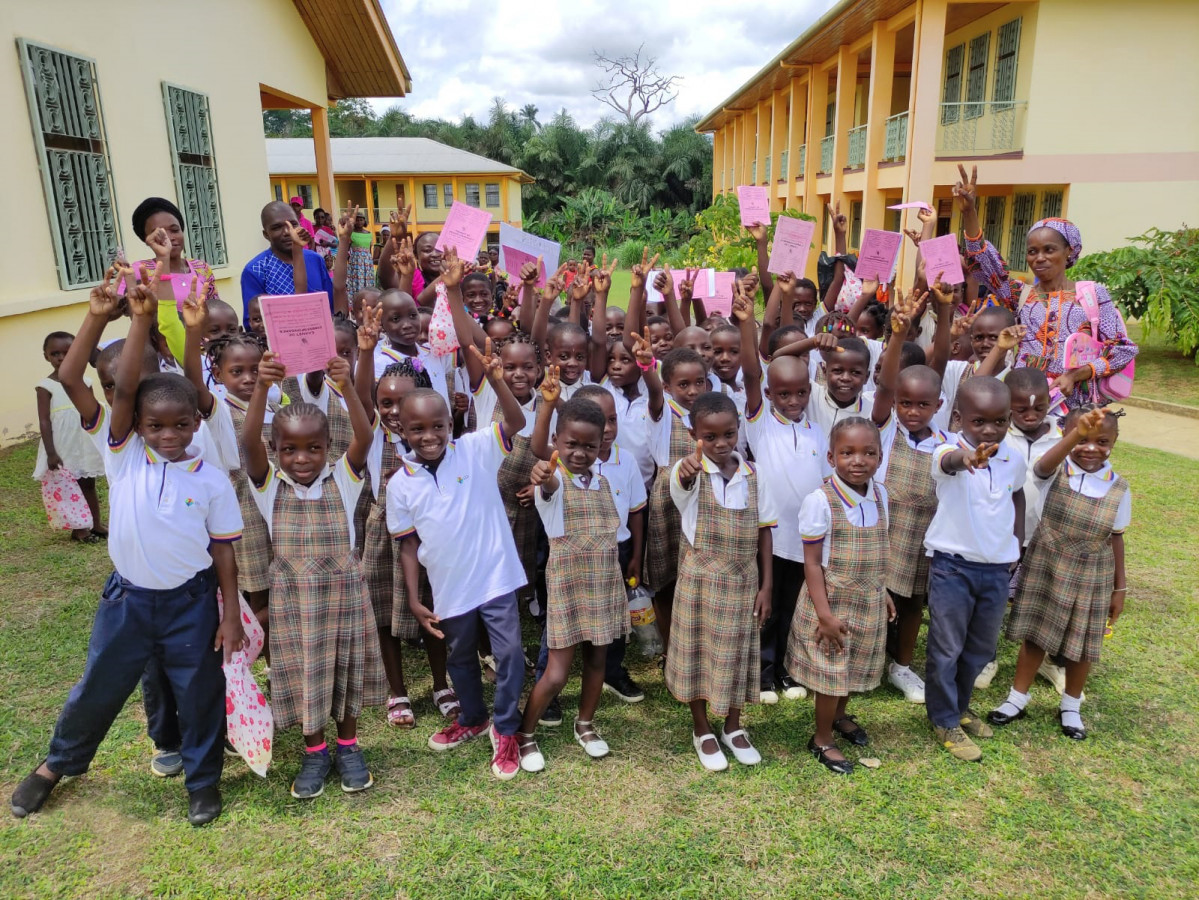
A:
x: 767, y: 172
x: 897, y: 137
x: 783, y: 160
x: 856, y: 157
x: 826, y: 155
x: 803, y: 160
x: 974, y: 128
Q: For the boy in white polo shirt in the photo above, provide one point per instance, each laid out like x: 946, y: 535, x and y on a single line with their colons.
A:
x: 444, y: 508
x: 974, y: 540
x: 161, y: 599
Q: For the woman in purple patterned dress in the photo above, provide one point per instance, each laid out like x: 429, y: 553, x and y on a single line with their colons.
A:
x: 1047, y: 308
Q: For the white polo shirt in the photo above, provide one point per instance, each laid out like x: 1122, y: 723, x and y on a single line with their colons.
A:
x: 438, y: 367
x: 466, y: 542
x: 1094, y: 485
x: 374, y: 456
x: 955, y: 371
x: 486, y: 398
x: 568, y: 390
x: 732, y: 493
x: 792, y: 460
x: 1031, y: 451
x: 861, y: 511
x: 628, y: 488
x: 349, y: 485
x: 634, y: 426
x: 824, y: 413
x: 892, y: 431
x: 163, y: 515
x: 552, y: 508
x: 659, y: 437
x: 975, y: 513
x: 321, y: 400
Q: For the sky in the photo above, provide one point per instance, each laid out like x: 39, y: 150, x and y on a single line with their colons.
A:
x: 462, y: 53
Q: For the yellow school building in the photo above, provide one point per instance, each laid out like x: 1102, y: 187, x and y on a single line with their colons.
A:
x: 110, y: 103
x: 1076, y: 108
x: 381, y: 175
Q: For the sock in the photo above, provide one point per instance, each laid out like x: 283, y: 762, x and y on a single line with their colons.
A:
x: 1070, y: 707
x: 347, y: 745
x: 1013, y: 704
x: 323, y: 747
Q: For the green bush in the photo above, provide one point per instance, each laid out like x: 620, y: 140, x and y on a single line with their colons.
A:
x: 1155, y: 280
x: 723, y: 242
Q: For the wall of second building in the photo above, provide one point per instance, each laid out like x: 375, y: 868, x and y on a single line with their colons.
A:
x: 271, y: 45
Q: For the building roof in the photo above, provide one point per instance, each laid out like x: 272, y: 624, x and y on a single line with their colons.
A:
x: 361, y: 57
x: 382, y: 156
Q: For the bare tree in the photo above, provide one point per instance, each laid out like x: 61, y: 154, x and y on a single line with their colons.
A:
x: 633, y: 87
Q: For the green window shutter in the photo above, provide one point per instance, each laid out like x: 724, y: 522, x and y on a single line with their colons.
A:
x: 1051, y: 204
x: 190, y: 128
x: 430, y: 191
x: 72, y: 150
x: 1005, y: 65
x: 996, y: 208
x: 976, y: 78
x: 952, y: 95
x: 1023, y: 207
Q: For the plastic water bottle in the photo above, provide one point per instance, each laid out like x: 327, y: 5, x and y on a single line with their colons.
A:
x: 645, y: 626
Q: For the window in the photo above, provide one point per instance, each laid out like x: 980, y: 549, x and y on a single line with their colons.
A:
x: 976, y: 78
x: 68, y: 130
x: 493, y: 195
x: 952, y: 94
x: 993, y: 220
x: 304, y: 192
x: 447, y: 194
x: 430, y: 195
x: 472, y: 194
x: 190, y: 127
x: 1005, y: 65
x: 1051, y: 204
x: 855, y: 223
x: 278, y: 192
x: 830, y: 115
x: 1023, y: 208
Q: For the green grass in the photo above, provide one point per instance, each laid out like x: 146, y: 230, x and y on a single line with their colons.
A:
x: 1164, y: 373
x: 1117, y: 815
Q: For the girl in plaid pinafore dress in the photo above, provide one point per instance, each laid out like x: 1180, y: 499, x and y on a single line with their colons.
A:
x: 662, y: 537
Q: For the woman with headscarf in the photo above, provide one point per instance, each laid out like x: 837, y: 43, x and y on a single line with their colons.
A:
x: 1048, y: 308
x: 297, y: 203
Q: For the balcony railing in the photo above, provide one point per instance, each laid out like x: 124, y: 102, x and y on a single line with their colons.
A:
x: 753, y: 173
x: 897, y: 137
x: 856, y: 157
x: 826, y: 155
x: 783, y: 160
x: 971, y: 129
x: 767, y: 179
x: 803, y: 160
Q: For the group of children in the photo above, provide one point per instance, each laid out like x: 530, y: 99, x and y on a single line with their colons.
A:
x: 788, y: 488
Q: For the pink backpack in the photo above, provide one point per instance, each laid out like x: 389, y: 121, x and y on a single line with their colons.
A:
x: 1082, y: 348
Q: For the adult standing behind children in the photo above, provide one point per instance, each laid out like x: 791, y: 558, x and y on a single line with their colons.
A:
x: 271, y: 272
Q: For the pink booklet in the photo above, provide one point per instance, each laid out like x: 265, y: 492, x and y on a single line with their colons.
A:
x: 792, y: 245
x: 877, y: 255
x: 299, y: 330
x: 721, y: 300
x: 941, y: 257
x: 755, y: 204
x: 465, y: 228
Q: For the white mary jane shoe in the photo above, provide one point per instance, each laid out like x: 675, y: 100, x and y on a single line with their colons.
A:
x: 713, y: 762
x: 747, y: 756
x: 593, y: 745
x: 531, y: 759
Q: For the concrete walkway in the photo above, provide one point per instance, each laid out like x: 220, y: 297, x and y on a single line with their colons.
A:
x: 1160, y: 430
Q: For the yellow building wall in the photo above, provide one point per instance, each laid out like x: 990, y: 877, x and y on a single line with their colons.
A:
x: 269, y: 44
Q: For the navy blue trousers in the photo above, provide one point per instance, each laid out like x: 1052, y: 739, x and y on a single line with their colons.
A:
x: 501, y: 618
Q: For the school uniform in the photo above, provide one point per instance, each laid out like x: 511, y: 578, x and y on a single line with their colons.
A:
x: 1032, y: 450
x: 825, y: 412
x: 1068, y: 574
x: 440, y: 368
x: 159, y: 602
x: 341, y: 431
x: 671, y: 441
x: 736, y: 393
x: 569, y: 390
x: 907, y: 472
x: 325, y: 660
x: 792, y: 461
x: 972, y: 545
x: 471, y: 560
x: 714, y: 653
x: 852, y: 531
x: 957, y: 371
x: 635, y: 427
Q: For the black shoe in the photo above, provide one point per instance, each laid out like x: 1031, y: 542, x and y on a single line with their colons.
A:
x: 314, y: 770
x: 836, y: 766
x: 203, y: 805
x: 1074, y: 734
x: 351, y: 765
x: 856, y: 735
x: 625, y: 688
x: 552, y: 715
x: 31, y: 794
x: 995, y: 717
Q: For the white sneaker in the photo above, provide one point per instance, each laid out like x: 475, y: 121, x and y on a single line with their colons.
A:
x: 906, y: 682
x: 713, y: 762
x: 768, y: 697
x: 986, y: 676
x: 747, y: 756
x: 793, y: 690
x: 1056, y: 675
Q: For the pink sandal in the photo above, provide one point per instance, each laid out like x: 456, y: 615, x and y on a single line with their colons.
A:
x: 447, y: 703
x: 399, y: 713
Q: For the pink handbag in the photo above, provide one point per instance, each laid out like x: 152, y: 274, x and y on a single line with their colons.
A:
x: 443, y: 339
x: 66, y: 507
x: 1081, y: 348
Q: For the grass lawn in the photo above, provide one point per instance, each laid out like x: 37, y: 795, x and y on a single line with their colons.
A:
x: 1163, y: 373
x: 1117, y: 815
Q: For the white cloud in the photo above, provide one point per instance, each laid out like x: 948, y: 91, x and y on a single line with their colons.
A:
x: 462, y: 53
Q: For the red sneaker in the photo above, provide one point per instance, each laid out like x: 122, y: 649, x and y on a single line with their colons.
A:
x: 506, y: 762
x: 454, y: 735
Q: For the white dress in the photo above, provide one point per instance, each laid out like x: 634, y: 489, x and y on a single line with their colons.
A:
x: 79, y: 455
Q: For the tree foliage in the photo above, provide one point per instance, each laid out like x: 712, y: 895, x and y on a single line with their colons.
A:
x: 1156, y: 280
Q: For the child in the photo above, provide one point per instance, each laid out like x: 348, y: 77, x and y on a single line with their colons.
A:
x: 586, y: 601
x: 660, y: 335
x: 446, y: 511
x: 684, y: 378
x: 401, y: 336
x: 160, y: 604
x: 974, y: 539
x: 791, y: 456
x: 64, y: 444
x: 839, y: 633
x: 637, y: 396
x: 721, y: 599
x: 846, y: 367
x: 324, y: 651
x: 1073, y: 577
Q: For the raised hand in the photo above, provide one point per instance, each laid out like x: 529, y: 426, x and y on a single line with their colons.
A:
x: 926, y: 215
x: 941, y: 292
x: 786, y: 283
x: 195, y: 307
x: 839, y: 219
x: 404, y: 259
x: 345, y: 226
x: 530, y: 272
x: 551, y: 384
x: 298, y: 235
x: 966, y: 189
x: 643, y: 350
x: 826, y: 340
x: 581, y: 286
x: 1090, y: 424
x: 453, y: 270
x: 510, y: 302
x: 493, y: 366
x: 664, y: 282
x: 690, y: 466
x: 602, y: 277
x: 399, y: 219
x: 158, y: 241
x: 914, y: 235
x: 338, y: 371
x: 1010, y: 337
x: 141, y: 294
x: 103, y: 301
x: 961, y: 325
x: 743, y: 307
x: 270, y: 369
x: 642, y: 269
x: 979, y: 457
x: 757, y: 231
x: 545, y: 472
x: 370, y: 327
x: 749, y: 283
x: 687, y: 285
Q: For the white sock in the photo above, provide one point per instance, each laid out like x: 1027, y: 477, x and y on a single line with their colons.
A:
x: 1070, y: 707
x: 1013, y: 704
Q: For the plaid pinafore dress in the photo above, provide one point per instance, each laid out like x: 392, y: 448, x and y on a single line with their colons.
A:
x: 586, y: 597
x: 253, y: 551
x: 1068, y: 573
x: 381, y: 564
x: 515, y: 473
x: 714, y: 638
x: 854, y: 581
x: 912, y: 501
x: 325, y: 659
x: 665, y: 525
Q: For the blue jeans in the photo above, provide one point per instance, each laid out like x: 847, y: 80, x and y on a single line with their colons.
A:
x: 133, y: 626
x: 501, y: 617
x: 966, y: 602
